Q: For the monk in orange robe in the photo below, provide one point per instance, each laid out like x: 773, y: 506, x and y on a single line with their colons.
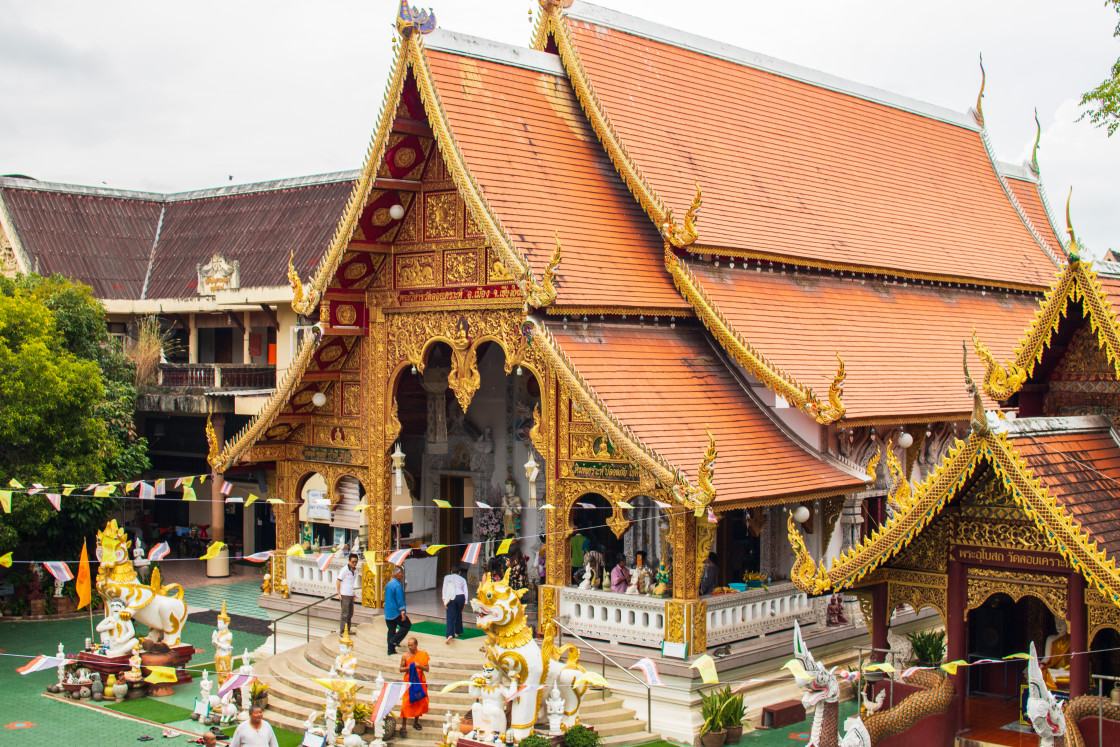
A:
x: 414, y: 665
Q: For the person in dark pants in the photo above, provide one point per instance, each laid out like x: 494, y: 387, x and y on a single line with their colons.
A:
x: 345, y: 586
x: 454, y: 598
x: 397, y: 623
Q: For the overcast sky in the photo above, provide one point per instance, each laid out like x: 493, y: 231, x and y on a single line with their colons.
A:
x: 172, y: 96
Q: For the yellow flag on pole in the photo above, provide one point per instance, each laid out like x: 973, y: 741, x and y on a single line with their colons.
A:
x: 6, y: 560
x: 188, y: 493
x: 104, y: 491
x: 161, y: 674
x: 433, y: 549
x: 213, y: 551
x: 251, y: 499
x: 504, y: 547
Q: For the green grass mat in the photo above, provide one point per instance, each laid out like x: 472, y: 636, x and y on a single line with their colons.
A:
x: 284, y: 737
x: 427, y: 627
x: 151, y: 710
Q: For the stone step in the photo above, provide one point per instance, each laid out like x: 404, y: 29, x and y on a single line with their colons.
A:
x: 294, y: 694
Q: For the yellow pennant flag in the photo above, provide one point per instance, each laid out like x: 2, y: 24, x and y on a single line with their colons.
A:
x: 188, y: 493
x: 453, y: 685
x: 371, y: 560
x: 504, y: 547
x: 884, y: 667
x: 68, y: 489
x: 548, y: 505
x: 1018, y: 656
x: 361, y: 506
x: 441, y: 503
x: 706, y: 665
x: 296, y: 550
x: 251, y: 499
x: 952, y: 666
x: 6, y: 560
x: 161, y: 674
x: 213, y: 550
x: 14, y: 483
x: 6, y: 501
x: 104, y: 491
x: 623, y: 504
x: 188, y: 481
x: 275, y: 501
x: 795, y: 668
x: 433, y: 549
x: 591, y: 678
x: 130, y: 487
x: 202, y: 480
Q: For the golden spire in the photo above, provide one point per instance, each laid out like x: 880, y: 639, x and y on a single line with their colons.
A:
x: 344, y: 639
x: 980, y: 96
x: 1037, y: 139
x: 224, y: 617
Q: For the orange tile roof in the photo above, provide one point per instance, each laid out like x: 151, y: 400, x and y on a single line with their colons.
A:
x: 901, y: 344
x: 1027, y: 191
x: 528, y: 144
x: 1108, y: 274
x: 799, y: 170
x: 1081, y: 472
x: 667, y: 385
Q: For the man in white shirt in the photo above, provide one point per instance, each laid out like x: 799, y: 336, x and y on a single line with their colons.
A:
x: 256, y: 732
x: 345, y: 584
x: 454, y: 597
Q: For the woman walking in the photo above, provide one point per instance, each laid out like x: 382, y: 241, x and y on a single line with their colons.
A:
x: 454, y: 599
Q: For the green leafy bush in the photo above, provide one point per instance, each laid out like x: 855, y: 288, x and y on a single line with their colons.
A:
x: 534, y: 740
x: 581, y: 736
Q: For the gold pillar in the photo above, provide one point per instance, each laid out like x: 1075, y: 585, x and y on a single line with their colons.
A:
x: 685, y: 614
x: 378, y: 395
x: 287, y: 519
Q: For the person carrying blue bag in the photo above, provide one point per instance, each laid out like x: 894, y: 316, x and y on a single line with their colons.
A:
x: 414, y: 704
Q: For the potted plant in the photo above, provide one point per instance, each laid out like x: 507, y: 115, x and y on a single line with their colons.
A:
x: 19, y: 608
x: 534, y: 740
x: 712, y: 733
x: 258, y: 694
x: 734, y: 715
x: 928, y: 647
x: 363, y: 713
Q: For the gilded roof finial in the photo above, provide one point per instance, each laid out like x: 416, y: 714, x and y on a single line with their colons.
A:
x: 414, y: 19
x: 980, y: 96
x: 213, y: 447
x: 705, y: 473
x: 539, y: 295
x: 1073, y: 251
x: 1037, y: 140
x: 682, y: 237
x: 979, y: 420
x: 550, y: 5
x: 301, y: 303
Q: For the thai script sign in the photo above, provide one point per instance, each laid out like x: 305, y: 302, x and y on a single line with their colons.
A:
x: 617, y: 471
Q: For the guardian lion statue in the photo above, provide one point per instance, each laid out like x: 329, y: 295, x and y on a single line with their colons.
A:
x: 512, y: 650
x: 159, y: 607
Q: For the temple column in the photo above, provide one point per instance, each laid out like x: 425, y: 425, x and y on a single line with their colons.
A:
x: 686, y: 616
x: 287, y: 520
x: 957, y: 633
x: 880, y: 623
x: 1078, y: 635
x: 377, y: 392
x: 192, y: 340
x: 218, y: 567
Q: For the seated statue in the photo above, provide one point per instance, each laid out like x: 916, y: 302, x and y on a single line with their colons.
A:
x: 1055, y: 667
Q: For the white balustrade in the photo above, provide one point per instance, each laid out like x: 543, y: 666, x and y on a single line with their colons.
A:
x: 736, y: 617
x: 610, y: 616
x: 304, y: 576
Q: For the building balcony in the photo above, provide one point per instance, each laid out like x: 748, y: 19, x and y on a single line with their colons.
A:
x: 217, y: 376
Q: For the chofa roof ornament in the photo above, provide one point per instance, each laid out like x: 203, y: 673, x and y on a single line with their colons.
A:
x: 550, y: 5
x: 978, y: 113
x: 414, y: 19
x: 1073, y: 251
x: 679, y: 236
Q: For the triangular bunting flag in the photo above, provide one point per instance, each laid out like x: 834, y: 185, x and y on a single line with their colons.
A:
x: 55, y: 500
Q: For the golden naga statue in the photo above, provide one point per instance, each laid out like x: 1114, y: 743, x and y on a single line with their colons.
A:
x: 539, y: 295
x: 511, y: 649
x: 213, y: 448
x: 999, y: 383
x: 686, y: 236
x: 301, y: 304
x: 159, y: 607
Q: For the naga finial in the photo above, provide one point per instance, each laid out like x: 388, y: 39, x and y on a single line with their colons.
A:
x: 999, y: 383
x: 414, y: 19
x: 705, y: 473
x: 872, y: 463
x: 302, y: 302
x: 900, y: 493
x: 213, y: 447
x: 980, y: 96
x: 686, y: 236
x: 978, y: 420
x: 550, y: 5
x: 1037, y: 139
x: 539, y: 295
x: 835, y: 409
x: 1073, y: 252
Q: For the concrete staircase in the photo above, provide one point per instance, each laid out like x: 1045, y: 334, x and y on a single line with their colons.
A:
x: 293, y: 694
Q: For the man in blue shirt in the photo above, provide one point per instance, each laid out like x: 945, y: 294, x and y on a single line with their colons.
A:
x: 395, y: 615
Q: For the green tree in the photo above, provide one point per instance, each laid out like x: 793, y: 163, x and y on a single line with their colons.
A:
x: 68, y: 408
x: 1104, y: 100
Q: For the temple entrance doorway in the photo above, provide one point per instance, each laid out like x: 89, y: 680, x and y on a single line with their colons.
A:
x: 740, y: 547
x: 456, y: 527
x: 590, y: 520
x: 1105, y: 659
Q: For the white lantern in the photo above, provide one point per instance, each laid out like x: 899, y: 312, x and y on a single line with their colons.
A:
x: 801, y: 514
x: 396, y: 212
x: 398, y: 466
x: 318, y: 399
x: 905, y: 440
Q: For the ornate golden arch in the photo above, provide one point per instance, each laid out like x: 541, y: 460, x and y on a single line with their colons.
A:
x: 1050, y: 590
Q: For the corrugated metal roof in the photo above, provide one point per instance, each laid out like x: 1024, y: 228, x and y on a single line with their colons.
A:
x: 105, y: 237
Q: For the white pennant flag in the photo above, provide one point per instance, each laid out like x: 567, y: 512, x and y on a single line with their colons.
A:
x: 649, y: 669
x: 147, y: 492
x: 56, y: 500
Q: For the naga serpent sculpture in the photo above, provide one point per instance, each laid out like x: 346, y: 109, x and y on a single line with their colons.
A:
x: 822, y: 689
x: 1085, y: 706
